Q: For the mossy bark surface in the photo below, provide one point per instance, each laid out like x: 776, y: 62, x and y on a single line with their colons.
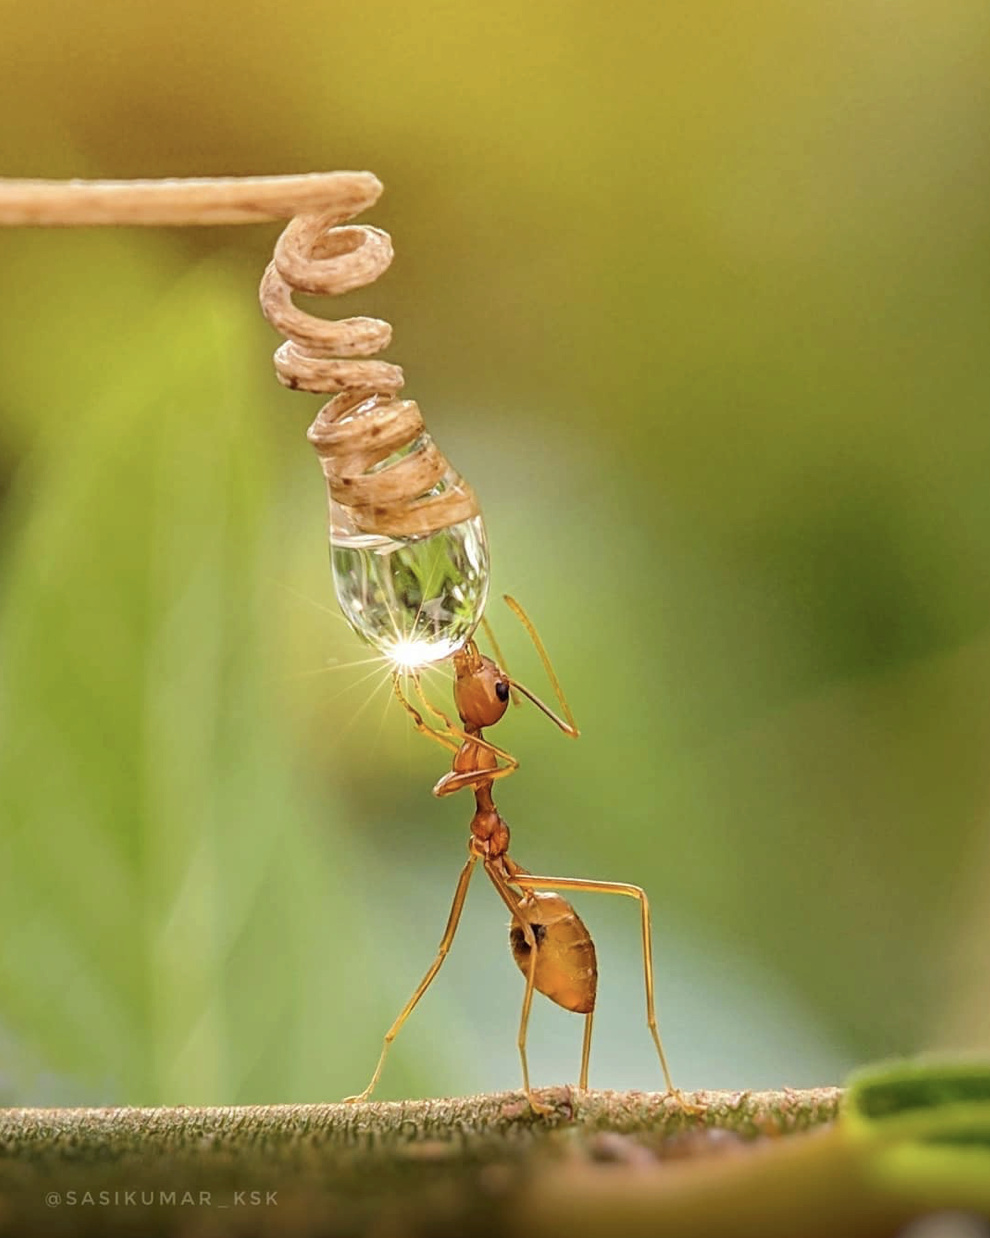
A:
x: 433, y: 1167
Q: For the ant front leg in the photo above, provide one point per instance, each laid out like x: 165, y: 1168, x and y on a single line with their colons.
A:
x: 460, y: 894
x: 445, y: 741
x: 456, y: 780
x: 453, y: 740
x: 528, y: 881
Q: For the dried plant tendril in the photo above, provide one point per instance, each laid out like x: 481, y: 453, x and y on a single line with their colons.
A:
x: 407, y: 540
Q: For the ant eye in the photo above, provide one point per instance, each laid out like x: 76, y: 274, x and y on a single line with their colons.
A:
x: 502, y: 690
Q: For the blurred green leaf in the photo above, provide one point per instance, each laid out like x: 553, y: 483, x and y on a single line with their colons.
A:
x: 925, y: 1130
x: 147, y: 814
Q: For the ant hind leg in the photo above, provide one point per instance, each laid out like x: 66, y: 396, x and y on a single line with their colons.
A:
x: 511, y: 901
x: 528, y: 881
x: 586, y: 1051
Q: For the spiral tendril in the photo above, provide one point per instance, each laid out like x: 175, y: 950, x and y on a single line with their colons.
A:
x: 384, y: 472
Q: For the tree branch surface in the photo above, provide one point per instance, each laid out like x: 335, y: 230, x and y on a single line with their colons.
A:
x: 466, y: 1121
x: 466, y: 1165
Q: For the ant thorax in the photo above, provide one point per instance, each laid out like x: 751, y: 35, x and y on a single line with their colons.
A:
x: 487, y: 825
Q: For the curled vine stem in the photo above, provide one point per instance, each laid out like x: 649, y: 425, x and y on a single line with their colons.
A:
x: 384, y: 472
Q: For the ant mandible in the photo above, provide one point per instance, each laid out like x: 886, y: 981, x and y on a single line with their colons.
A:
x: 549, y: 942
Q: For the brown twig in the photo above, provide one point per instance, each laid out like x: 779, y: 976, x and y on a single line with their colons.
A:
x: 190, y: 203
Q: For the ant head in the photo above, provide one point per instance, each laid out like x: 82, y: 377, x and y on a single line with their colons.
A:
x: 481, y: 689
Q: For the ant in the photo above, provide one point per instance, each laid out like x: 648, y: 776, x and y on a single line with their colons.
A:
x: 549, y: 942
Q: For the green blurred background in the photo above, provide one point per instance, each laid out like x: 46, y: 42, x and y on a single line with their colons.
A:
x: 696, y: 295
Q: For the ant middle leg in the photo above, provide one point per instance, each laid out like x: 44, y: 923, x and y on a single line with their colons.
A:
x: 460, y: 894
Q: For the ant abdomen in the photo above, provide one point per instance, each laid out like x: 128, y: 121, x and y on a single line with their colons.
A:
x: 566, y: 966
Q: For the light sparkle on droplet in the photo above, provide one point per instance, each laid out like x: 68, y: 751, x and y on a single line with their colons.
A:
x: 411, y: 655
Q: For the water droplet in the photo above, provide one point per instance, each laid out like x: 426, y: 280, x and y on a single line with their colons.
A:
x: 416, y: 599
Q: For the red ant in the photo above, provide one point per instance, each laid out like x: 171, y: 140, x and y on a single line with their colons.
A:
x: 549, y: 942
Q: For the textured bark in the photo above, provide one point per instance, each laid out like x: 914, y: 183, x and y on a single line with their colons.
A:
x: 472, y: 1165
x: 109, y: 1134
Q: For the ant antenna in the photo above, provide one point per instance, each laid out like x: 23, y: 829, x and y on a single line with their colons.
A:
x: 570, y: 726
x: 500, y: 658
